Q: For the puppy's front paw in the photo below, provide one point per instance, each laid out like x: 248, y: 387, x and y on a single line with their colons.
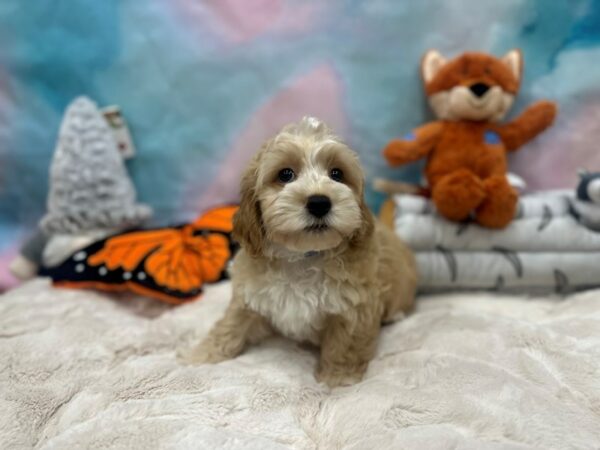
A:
x: 202, y: 354
x: 339, y: 376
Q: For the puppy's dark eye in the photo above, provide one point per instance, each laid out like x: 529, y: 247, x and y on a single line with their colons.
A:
x: 286, y: 175
x: 336, y: 175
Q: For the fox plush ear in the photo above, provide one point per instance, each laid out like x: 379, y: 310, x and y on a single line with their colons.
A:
x: 514, y: 60
x: 431, y: 63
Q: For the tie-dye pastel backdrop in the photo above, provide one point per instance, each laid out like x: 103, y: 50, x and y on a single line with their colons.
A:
x: 202, y: 83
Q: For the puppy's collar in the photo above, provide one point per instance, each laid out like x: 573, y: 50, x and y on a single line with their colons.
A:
x: 278, y: 252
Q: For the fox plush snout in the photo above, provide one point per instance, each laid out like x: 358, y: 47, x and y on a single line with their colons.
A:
x: 473, y: 86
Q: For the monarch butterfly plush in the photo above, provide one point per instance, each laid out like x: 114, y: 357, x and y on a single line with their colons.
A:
x: 169, y: 264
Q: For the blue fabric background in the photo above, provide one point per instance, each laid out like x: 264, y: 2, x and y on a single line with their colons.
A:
x: 203, y: 83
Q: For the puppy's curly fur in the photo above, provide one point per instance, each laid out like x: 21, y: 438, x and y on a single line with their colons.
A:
x: 328, y: 279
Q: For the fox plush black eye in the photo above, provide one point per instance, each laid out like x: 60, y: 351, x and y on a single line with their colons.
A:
x: 286, y: 175
x: 336, y: 175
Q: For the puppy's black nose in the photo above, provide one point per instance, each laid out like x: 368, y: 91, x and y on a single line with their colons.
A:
x: 318, y: 205
x: 479, y: 89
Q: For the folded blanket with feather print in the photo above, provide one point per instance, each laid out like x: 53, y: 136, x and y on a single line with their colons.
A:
x: 536, y: 234
x: 505, y: 270
x: 545, y: 249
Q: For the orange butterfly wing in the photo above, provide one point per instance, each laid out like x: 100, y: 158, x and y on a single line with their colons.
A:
x: 175, y: 258
x: 217, y: 219
x: 195, y: 260
x: 126, y: 251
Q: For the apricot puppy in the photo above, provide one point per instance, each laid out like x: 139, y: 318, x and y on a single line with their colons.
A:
x: 314, y: 265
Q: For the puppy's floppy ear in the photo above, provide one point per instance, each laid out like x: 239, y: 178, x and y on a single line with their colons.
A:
x: 367, y: 226
x: 247, y: 223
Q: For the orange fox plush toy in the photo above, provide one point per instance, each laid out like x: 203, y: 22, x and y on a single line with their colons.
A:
x: 466, y: 147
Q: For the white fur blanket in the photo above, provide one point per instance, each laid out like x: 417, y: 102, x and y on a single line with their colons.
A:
x: 466, y: 371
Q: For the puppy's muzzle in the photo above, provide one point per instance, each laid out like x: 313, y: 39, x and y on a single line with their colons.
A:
x: 318, y: 205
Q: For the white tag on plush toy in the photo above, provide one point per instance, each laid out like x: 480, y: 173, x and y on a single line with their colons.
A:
x: 516, y: 181
x: 120, y: 130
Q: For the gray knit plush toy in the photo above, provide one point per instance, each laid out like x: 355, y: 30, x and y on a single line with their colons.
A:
x: 89, y: 184
x: 91, y: 195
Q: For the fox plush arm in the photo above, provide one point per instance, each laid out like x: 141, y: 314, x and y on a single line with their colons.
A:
x: 535, y: 119
x: 414, y: 145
